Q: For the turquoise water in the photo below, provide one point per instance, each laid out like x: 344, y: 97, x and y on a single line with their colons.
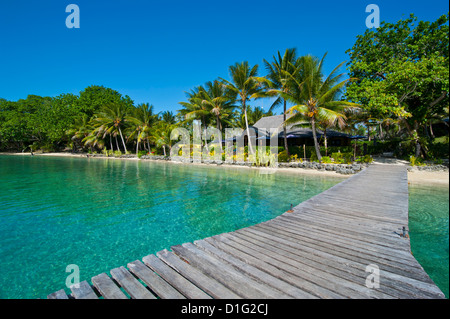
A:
x: 103, y: 213
x: 429, y: 228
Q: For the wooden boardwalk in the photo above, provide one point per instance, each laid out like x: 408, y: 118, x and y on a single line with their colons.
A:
x: 321, y: 250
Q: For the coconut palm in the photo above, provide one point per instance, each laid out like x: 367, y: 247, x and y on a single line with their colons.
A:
x: 244, y: 84
x: 314, y: 96
x: 111, y: 121
x: 219, y: 101
x: 160, y: 135
x: 79, y: 129
x: 195, y: 109
x: 279, y: 72
x: 141, y: 122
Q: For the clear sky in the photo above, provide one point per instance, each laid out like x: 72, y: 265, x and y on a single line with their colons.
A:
x: 154, y: 51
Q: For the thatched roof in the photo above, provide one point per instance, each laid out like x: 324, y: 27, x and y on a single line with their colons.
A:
x: 264, y: 125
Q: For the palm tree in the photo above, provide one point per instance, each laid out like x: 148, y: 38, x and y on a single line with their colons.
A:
x: 279, y: 72
x: 79, y: 129
x: 244, y: 84
x: 168, y: 117
x: 160, y: 135
x: 219, y: 100
x: 141, y: 122
x: 195, y: 108
x: 111, y: 120
x: 314, y: 97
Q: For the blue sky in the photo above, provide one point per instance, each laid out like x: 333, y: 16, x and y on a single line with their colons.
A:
x: 154, y: 51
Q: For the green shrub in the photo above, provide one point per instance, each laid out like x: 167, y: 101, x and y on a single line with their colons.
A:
x: 338, y: 157
x: 326, y: 159
x: 141, y: 153
x: 283, y: 157
x: 348, y: 157
x: 367, y: 159
x: 117, y: 153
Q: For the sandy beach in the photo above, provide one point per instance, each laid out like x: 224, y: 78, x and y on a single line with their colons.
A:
x: 414, y: 177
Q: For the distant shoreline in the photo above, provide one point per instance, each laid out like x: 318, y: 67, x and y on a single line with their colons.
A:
x: 414, y: 177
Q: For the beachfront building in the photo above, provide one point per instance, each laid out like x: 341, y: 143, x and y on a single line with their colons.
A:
x: 298, y: 136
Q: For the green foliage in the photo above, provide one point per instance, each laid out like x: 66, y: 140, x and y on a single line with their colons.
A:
x: 326, y: 159
x: 338, y: 157
x: 402, y: 72
x: 141, y: 153
x: 283, y: 157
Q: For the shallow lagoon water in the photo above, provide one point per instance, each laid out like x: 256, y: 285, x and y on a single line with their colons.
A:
x: 429, y: 229
x: 103, y: 213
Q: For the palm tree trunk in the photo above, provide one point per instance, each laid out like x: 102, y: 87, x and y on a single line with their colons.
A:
x: 137, y: 145
x: 250, y: 148
x: 316, y: 144
x: 325, y: 141
x: 123, y: 141
x: 285, y: 131
x: 219, y: 124
x: 117, y: 143
x: 431, y: 130
x: 110, y: 142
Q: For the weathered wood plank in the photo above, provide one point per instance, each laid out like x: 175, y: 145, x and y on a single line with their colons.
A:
x: 207, y: 284
x: 162, y: 288
x: 107, y: 288
x: 131, y: 285
x: 254, y: 272
x: 170, y: 275
x: 289, y: 274
x: 236, y: 281
x: 60, y: 294
x: 83, y: 291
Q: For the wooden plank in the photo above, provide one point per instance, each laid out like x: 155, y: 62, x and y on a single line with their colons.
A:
x: 107, y: 288
x: 60, y: 294
x: 332, y: 283
x: 207, y: 284
x: 264, y: 263
x: 83, y: 291
x: 344, y: 251
x: 131, y: 285
x: 158, y: 285
x: 179, y: 282
x: 228, y: 276
x: 254, y: 272
x: 341, y: 266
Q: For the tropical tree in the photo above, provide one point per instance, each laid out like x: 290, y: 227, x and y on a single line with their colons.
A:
x: 141, y: 121
x: 314, y: 97
x: 402, y: 70
x: 244, y: 83
x: 168, y: 117
x: 280, y: 70
x: 195, y: 109
x: 160, y: 135
x: 110, y: 121
x: 80, y: 129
